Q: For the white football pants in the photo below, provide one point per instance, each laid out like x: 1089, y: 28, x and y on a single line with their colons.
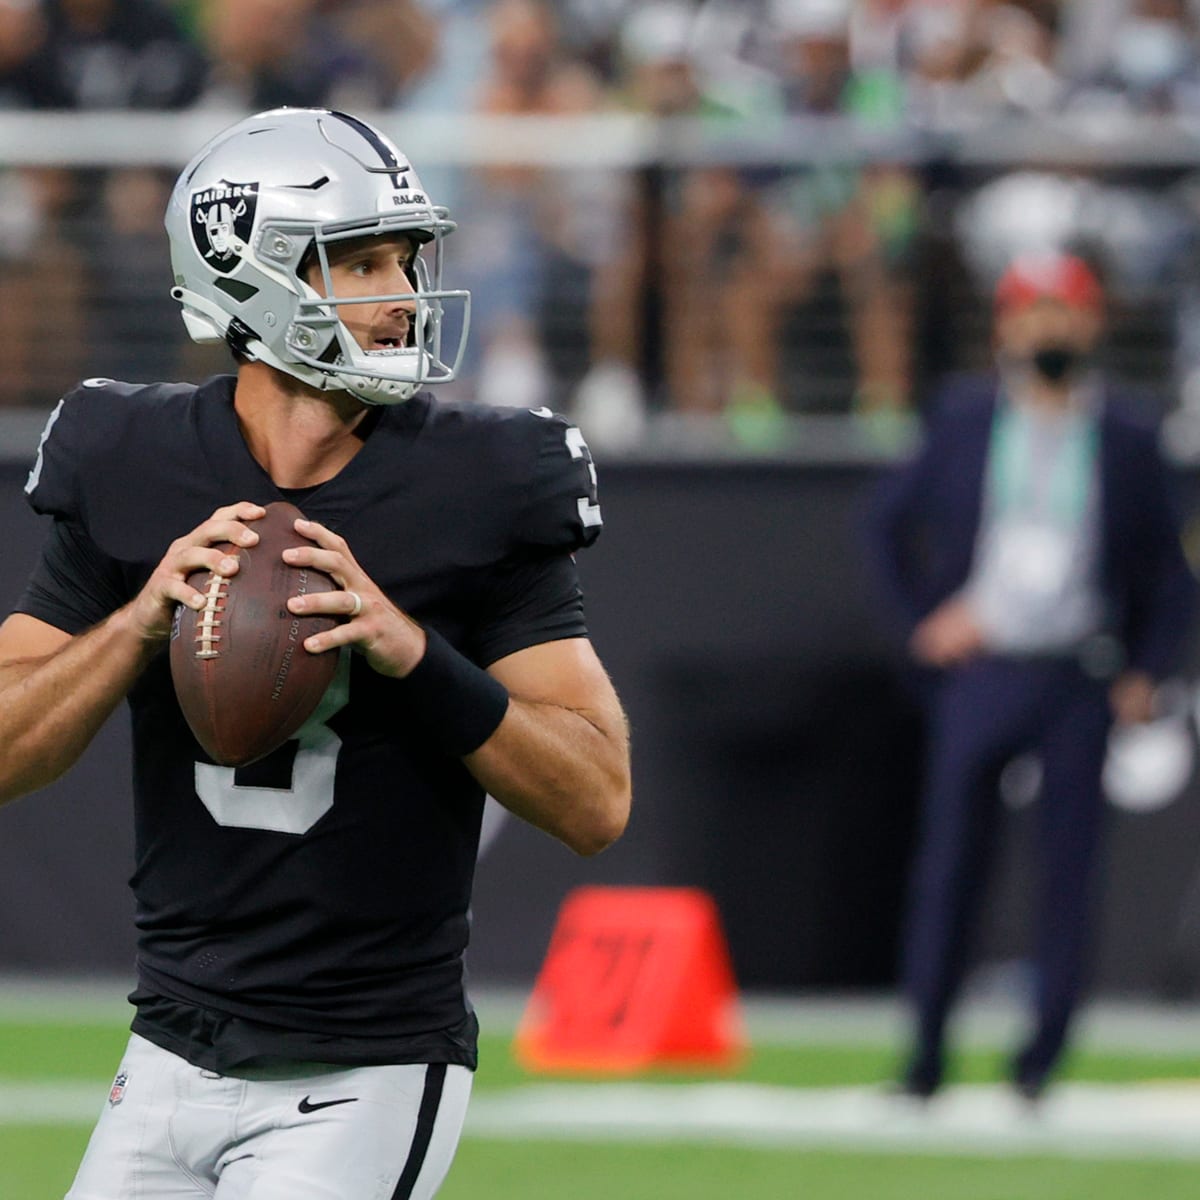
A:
x: 171, y: 1131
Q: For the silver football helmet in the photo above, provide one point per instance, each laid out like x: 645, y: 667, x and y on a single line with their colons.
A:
x: 257, y: 208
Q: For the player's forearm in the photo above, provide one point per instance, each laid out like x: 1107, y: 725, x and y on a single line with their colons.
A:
x: 52, y: 707
x: 564, y: 771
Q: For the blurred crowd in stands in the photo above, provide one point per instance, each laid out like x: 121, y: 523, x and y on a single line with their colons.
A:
x: 744, y: 291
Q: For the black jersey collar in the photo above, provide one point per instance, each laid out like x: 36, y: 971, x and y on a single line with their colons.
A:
x: 378, y: 466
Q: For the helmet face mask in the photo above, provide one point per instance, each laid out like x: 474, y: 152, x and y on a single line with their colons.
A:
x: 318, y: 322
x: 255, y: 215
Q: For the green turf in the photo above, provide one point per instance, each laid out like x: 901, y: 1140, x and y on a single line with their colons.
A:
x: 60, y: 1051
x: 36, y: 1163
x: 559, y: 1171
x: 834, y: 1065
x: 64, y: 1051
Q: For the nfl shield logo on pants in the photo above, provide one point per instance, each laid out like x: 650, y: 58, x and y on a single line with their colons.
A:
x: 117, y: 1092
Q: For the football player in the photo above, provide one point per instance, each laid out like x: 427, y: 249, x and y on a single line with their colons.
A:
x: 301, y: 1027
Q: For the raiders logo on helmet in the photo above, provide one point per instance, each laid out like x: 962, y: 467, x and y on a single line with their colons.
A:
x: 223, y: 215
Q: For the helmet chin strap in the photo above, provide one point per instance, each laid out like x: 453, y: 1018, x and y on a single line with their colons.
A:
x: 208, y: 322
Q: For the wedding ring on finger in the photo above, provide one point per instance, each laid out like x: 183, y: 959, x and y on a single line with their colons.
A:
x: 358, y: 605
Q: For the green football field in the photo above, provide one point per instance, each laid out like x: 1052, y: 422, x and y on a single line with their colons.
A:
x: 807, y: 1115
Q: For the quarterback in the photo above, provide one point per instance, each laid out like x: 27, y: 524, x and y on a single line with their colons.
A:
x: 301, y: 1027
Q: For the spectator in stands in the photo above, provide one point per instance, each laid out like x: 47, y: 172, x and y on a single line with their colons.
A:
x: 1142, y: 231
x: 1153, y: 64
x: 460, y: 58
x: 963, y: 59
x: 40, y: 273
x: 22, y: 34
x: 346, y: 54
x: 264, y: 54
x: 1006, y: 61
x: 801, y: 223
x: 1017, y: 72
x: 515, y: 217
x: 25, y: 224
x: 1032, y: 555
x: 397, y: 40
x: 106, y: 54
x: 944, y: 47
x: 97, y: 55
x: 593, y: 32
x: 655, y: 331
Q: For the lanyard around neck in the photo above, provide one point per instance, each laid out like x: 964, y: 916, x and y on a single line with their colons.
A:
x: 1057, y: 487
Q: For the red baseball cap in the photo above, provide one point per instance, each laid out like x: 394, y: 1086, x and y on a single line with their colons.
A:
x: 1062, y: 277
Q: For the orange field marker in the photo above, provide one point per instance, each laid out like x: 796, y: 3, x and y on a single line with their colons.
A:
x: 634, y: 977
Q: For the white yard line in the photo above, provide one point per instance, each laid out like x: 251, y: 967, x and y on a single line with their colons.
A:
x: 1076, y: 1120
x: 39, y: 999
x: 66, y: 1103
x: 1154, y: 1120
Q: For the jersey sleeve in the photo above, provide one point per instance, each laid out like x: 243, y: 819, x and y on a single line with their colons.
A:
x: 562, y: 509
x: 533, y: 595
x: 527, y: 601
x: 83, y: 433
x: 74, y: 584
x: 50, y: 487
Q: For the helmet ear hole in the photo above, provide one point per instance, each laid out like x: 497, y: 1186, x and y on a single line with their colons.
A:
x: 308, y: 260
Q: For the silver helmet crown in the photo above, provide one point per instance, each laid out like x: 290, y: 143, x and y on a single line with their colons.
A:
x: 257, y: 208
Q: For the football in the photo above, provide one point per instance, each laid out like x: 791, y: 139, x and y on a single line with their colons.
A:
x: 242, y: 675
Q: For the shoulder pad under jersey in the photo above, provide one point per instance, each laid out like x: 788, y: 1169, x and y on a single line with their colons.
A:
x: 89, y: 426
x: 562, y: 509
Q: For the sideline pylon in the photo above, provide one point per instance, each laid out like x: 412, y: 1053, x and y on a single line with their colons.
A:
x: 633, y: 977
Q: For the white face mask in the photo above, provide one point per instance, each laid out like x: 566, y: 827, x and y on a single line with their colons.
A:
x: 1149, y: 52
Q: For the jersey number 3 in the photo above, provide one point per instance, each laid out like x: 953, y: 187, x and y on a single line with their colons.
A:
x: 589, y: 510
x: 295, y: 809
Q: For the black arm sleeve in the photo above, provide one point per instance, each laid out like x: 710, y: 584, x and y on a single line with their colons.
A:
x: 74, y: 585
x: 528, y: 600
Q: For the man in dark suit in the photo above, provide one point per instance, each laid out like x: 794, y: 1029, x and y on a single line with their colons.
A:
x: 1031, y: 551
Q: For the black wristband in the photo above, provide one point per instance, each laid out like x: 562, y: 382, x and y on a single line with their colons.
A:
x: 456, y: 703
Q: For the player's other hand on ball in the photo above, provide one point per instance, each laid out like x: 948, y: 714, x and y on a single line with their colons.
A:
x: 203, y: 549
x: 391, y: 640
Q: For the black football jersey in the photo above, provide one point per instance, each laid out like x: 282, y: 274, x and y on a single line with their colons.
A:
x: 313, y: 905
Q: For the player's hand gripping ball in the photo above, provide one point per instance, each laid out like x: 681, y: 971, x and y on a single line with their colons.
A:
x: 242, y: 675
